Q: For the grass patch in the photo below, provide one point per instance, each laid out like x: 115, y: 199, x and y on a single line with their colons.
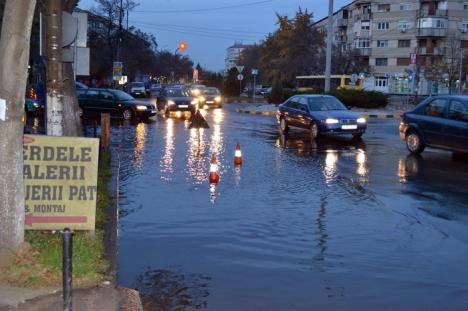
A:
x: 38, y: 262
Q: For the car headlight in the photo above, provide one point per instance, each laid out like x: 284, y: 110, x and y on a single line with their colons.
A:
x: 201, y: 98
x: 171, y: 102
x: 36, y: 105
x: 331, y: 121
x: 194, y: 102
x: 141, y: 107
x: 218, y: 99
x: 361, y: 120
x: 196, y: 92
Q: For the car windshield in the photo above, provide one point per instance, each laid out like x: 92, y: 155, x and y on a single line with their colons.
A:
x: 121, y: 95
x: 211, y: 91
x: 324, y: 104
x: 138, y: 84
x: 176, y: 92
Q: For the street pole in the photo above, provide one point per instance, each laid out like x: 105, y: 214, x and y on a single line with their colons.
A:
x: 254, y: 86
x: 329, y: 46
x: 461, y: 71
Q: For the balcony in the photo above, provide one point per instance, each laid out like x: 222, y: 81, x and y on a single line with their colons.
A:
x: 432, y: 32
x: 364, y: 51
x: 342, y: 22
x: 432, y: 13
x: 434, y: 51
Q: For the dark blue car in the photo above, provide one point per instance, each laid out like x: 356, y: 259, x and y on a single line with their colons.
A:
x: 438, y: 122
x: 319, y: 114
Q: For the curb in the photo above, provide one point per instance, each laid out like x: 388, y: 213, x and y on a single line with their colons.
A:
x: 367, y: 116
x: 262, y: 113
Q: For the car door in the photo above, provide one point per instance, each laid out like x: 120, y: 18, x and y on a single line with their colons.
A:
x: 107, y: 102
x: 287, y: 110
x: 456, y: 128
x: 303, y: 111
x: 292, y: 117
x: 432, y: 121
x: 90, y: 100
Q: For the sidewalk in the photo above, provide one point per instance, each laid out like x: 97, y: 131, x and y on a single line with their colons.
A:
x: 105, y: 298
x: 391, y: 111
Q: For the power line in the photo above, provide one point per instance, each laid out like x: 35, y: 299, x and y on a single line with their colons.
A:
x: 209, y: 9
x: 223, y: 30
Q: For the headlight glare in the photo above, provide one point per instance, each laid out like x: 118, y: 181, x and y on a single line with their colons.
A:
x: 201, y: 98
x: 361, y: 120
x: 194, y: 102
x: 141, y: 107
x: 170, y: 103
x: 331, y: 121
x: 218, y: 99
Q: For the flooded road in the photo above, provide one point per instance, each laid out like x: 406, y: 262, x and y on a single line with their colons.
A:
x: 330, y: 225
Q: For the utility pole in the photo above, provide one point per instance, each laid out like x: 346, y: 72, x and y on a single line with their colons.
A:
x: 54, y: 68
x: 329, y: 46
x: 130, y: 7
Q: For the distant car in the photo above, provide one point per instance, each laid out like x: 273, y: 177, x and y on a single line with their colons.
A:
x: 437, y: 122
x: 137, y: 89
x: 264, y: 90
x: 115, y: 102
x: 177, y: 99
x: 210, y: 96
x: 32, y: 107
x: 319, y: 114
x: 80, y: 86
x: 196, y: 89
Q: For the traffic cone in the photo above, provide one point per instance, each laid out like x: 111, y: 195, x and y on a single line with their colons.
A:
x: 238, y: 155
x: 214, y: 177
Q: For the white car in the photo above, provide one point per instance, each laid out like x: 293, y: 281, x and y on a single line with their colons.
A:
x: 137, y: 89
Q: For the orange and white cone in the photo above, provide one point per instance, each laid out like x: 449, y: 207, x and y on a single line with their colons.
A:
x: 238, y: 155
x: 214, y: 177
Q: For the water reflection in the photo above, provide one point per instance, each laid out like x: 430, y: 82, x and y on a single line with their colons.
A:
x: 140, y: 141
x: 362, y: 170
x: 322, y: 234
x: 167, y: 159
x: 330, y: 169
x: 173, y: 290
x: 196, y: 164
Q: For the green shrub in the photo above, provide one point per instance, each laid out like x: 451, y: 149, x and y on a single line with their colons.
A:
x: 351, y: 98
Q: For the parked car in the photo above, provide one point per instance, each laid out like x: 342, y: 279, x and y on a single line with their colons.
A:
x: 80, y: 85
x: 177, y: 99
x: 210, y: 96
x: 32, y: 107
x: 437, y: 122
x: 115, y: 102
x: 319, y: 114
x: 137, y: 89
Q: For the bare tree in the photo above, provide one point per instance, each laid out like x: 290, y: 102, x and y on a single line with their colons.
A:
x: 14, y: 56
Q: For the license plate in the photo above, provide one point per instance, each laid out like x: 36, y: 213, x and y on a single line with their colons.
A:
x: 183, y: 106
x: 349, y: 127
x: 210, y: 102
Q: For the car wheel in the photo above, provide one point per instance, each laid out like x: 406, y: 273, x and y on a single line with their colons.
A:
x: 357, y: 135
x: 127, y: 114
x: 414, y: 143
x: 313, y: 131
x: 283, y: 126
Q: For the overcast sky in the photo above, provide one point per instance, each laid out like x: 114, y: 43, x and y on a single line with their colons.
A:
x: 209, y: 27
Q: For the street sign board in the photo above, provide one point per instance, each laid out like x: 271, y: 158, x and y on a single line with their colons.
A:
x: 117, y: 70
x: 254, y: 72
x: 413, y: 58
x: 60, y: 182
x: 240, y: 68
x: 240, y: 77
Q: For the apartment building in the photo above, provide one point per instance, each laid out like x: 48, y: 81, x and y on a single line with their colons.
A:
x: 411, y: 45
x: 233, y: 54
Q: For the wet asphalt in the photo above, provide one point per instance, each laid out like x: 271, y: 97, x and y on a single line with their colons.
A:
x: 334, y: 224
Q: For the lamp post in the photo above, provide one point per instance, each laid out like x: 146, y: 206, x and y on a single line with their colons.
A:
x: 329, y: 46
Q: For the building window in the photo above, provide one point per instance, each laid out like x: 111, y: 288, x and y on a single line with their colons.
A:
x: 382, y: 43
x: 465, y: 6
x: 464, y: 26
x: 383, y: 8
x: 405, y: 7
x: 440, y: 24
x: 365, y: 25
x: 404, y: 25
x: 381, y: 82
x: 404, y: 43
x: 383, y: 25
x: 381, y: 61
x: 361, y: 43
x: 403, y: 61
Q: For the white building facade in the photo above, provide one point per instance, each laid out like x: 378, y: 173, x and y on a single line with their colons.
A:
x: 233, y: 54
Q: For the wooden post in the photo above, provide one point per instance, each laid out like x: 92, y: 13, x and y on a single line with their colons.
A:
x: 105, y: 131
